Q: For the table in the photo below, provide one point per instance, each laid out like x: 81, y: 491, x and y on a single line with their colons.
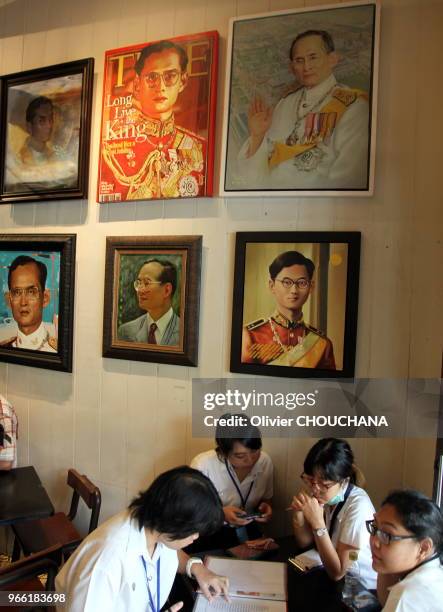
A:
x: 22, y: 496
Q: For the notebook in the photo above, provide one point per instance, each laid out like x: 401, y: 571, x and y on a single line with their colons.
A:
x: 254, y: 586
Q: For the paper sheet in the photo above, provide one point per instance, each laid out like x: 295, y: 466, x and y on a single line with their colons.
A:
x: 252, y: 579
x: 238, y: 604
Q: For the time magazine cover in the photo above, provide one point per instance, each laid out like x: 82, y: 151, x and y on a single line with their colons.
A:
x: 158, y: 120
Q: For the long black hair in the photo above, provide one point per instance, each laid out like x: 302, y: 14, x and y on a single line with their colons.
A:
x: 179, y: 503
x: 332, y: 459
x: 419, y: 515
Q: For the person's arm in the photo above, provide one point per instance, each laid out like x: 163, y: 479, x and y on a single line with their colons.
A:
x: 335, y: 560
x: 302, y: 530
x: 4, y: 465
x: 211, y: 584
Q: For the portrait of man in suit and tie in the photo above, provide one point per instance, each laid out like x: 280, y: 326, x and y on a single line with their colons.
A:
x: 156, y: 287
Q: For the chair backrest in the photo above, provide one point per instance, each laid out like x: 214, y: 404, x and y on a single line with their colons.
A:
x: 45, y: 561
x: 90, y: 494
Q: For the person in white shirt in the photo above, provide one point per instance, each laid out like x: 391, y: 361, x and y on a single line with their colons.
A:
x: 332, y: 511
x: 407, y: 553
x: 129, y: 563
x: 155, y: 286
x: 317, y: 136
x: 243, y: 475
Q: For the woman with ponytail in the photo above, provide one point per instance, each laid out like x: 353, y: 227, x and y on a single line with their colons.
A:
x: 407, y: 552
x: 332, y: 510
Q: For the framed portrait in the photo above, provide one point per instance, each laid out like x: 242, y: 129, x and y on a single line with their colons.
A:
x: 45, y: 132
x: 295, y: 304
x: 300, y: 107
x: 37, y: 273
x: 152, y: 297
x: 158, y: 120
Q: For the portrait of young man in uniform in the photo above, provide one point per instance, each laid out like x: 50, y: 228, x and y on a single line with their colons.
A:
x: 284, y: 338
x: 155, y: 286
x: 27, y: 296
x: 146, y: 155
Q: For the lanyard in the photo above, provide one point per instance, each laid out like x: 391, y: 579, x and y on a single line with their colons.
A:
x: 153, y: 607
x: 242, y: 499
x: 338, y: 507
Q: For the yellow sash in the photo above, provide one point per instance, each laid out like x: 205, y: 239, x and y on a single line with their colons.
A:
x: 306, y: 355
x: 342, y: 98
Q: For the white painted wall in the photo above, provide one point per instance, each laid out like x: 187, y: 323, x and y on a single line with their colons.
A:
x: 124, y: 422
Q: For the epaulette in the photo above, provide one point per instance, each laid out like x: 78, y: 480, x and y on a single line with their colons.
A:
x: 179, y: 128
x: 315, y: 330
x: 255, y: 324
x: 53, y: 343
x: 348, y: 96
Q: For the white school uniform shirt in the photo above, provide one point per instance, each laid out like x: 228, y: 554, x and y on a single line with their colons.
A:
x: 107, y: 573
x: 420, y: 591
x: 259, y: 481
x: 350, y: 528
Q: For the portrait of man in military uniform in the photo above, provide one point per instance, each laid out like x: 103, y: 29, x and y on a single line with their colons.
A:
x: 27, y: 296
x: 285, y: 338
x: 146, y: 152
x: 310, y: 128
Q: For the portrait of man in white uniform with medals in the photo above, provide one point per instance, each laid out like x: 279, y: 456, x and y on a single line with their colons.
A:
x: 309, y: 129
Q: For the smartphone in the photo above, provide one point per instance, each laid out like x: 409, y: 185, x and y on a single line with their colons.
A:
x: 251, y: 516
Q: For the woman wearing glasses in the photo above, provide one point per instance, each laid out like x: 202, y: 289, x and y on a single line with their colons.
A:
x: 331, y: 512
x: 243, y: 475
x: 407, y: 552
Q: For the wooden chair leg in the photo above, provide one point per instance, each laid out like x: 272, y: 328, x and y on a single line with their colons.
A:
x: 16, y: 550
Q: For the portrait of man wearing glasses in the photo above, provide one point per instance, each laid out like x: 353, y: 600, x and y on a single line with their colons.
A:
x: 27, y: 296
x: 317, y: 135
x: 285, y: 338
x: 155, y: 286
x: 146, y: 153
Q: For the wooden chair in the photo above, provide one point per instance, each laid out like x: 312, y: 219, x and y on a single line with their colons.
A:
x: 35, y: 535
x: 23, y: 575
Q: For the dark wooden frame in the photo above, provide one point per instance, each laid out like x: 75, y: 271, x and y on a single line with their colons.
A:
x: 118, y: 349
x: 84, y: 67
x: 65, y: 244
x: 353, y: 240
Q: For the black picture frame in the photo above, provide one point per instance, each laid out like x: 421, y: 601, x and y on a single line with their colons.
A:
x: 124, y: 258
x: 41, y: 246
x: 336, y: 256
x: 45, y: 124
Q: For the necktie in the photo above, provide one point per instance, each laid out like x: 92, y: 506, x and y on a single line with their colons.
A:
x: 151, y: 335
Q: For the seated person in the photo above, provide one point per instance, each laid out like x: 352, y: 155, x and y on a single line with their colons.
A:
x: 331, y: 513
x: 8, y: 435
x: 243, y: 475
x: 130, y: 561
x: 407, y: 553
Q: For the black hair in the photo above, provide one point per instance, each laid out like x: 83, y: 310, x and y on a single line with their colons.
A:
x: 419, y: 515
x: 227, y: 435
x: 159, y: 47
x: 291, y: 258
x: 24, y: 260
x: 34, y: 105
x: 332, y: 458
x: 326, y: 38
x: 179, y: 503
x: 168, y: 273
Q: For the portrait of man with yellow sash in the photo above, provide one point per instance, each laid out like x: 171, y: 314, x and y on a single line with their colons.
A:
x: 300, y: 114
x: 285, y: 336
